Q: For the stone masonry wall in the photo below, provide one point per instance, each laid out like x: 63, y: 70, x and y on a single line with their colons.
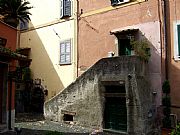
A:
x: 85, y: 99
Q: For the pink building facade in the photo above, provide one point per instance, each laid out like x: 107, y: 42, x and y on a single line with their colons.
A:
x: 104, y: 28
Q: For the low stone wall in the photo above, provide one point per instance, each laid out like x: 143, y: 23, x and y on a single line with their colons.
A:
x: 85, y: 101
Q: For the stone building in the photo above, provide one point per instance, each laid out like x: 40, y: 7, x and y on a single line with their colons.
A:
x: 113, y: 95
x: 122, y: 93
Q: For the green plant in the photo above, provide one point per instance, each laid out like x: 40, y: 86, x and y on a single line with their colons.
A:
x: 26, y: 74
x: 166, y: 102
x: 166, y: 87
x: 141, y: 48
x: 53, y: 133
x: 176, y: 131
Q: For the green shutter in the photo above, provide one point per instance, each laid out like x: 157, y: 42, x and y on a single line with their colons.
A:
x: 67, y: 8
x: 178, y: 30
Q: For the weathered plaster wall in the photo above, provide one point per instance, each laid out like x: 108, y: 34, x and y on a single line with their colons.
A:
x: 92, y: 5
x: 94, y: 30
x: 46, y: 31
x: 174, y: 65
x: 10, y: 34
x: 85, y: 97
x: 95, y: 40
x: 45, y: 55
x: 46, y: 12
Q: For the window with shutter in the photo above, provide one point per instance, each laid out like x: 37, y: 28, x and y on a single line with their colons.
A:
x: 65, y: 8
x: 23, y: 25
x: 178, y: 35
x: 65, y: 52
x: 61, y: 8
x: 177, y: 41
x: 117, y: 2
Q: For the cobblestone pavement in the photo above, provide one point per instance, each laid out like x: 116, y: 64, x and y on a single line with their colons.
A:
x: 35, y: 124
x: 53, y: 126
x: 43, y: 127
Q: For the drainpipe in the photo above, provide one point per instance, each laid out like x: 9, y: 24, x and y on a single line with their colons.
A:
x: 161, y: 30
x: 166, y: 39
x: 77, y: 36
x: 10, y: 104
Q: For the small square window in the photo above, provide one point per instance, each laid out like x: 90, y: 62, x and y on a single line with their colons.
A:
x: 68, y: 117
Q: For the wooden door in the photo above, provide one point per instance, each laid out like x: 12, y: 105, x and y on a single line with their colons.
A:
x: 115, y: 114
x: 1, y: 93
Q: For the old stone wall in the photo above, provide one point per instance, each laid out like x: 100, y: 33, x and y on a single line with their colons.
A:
x: 84, y: 97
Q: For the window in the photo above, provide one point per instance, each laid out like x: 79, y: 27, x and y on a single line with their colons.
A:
x: 177, y: 42
x: 23, y: 25
x: 65, y: 8
x: 65, y: 52
x: 68, y: 117
x: 117, y: 2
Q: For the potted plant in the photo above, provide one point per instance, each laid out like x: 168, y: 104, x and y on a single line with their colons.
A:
x: 176, y: 131
x: 141, y: 48
x: 166, y: 102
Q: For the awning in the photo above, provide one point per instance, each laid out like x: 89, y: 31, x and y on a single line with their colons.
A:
x: 123, y: 30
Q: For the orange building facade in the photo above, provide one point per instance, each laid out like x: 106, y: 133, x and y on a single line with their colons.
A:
x: 104, y: 28
x: 8, y: 38
x: 173, y: 20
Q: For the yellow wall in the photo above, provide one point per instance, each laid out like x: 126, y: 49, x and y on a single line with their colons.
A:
x: 43, y: 37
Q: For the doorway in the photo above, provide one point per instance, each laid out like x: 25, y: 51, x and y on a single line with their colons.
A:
x: 3, y: 93
x: 124, y: 38
x: 115, y: 112
x: 124, y: 47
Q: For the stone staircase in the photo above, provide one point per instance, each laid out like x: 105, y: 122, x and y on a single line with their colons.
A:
x: 83, y: 101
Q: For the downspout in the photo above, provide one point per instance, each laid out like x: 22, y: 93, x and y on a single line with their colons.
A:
x: 18, y: 39
x: 161, y: 31
x: 9, y: 104
x: 77, y: 36
x: 166, y: 40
